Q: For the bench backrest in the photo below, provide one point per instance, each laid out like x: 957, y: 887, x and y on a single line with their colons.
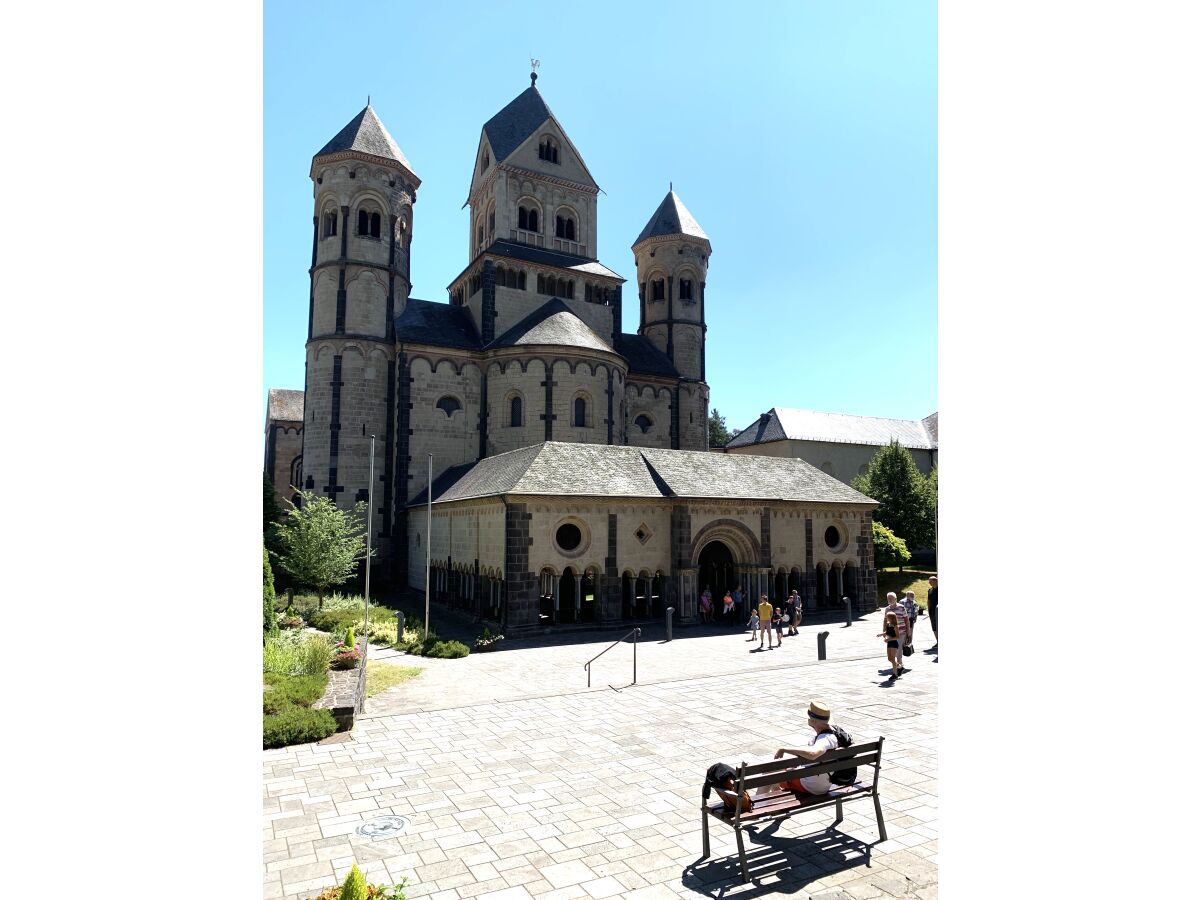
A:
x: 777, y: 771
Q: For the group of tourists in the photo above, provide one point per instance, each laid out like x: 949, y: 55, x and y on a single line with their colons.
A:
x: 763, y: 619
x: 899, y: 624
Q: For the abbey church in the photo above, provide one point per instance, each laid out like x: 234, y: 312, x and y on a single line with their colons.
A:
x: 572, y: 483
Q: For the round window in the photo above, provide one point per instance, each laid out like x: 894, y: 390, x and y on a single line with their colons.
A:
x: 833, y: 537
x: 568, y: 536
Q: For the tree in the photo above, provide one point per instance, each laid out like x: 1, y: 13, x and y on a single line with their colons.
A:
x: 718, y: 434
x: 270, y: 623
x: 905, y: 501
x: 320, y: 544
x: 889, y: 550
x: 272, y: 512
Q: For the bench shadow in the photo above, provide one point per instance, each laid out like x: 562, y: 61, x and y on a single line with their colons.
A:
x: 794, y: 861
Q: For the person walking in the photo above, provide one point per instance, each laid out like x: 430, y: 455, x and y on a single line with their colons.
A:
x: 727, y: 610
x: 932, y: 605
x: 894, y: 607
x: 765, y: 612
x: 706, y: 606
x: 792, y: 611
x: 777, y: 624
x: 752, y: 625
x: 912, y: 610
x: 891, y: 636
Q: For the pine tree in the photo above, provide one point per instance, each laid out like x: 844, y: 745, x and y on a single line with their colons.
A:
x: 718, y: 434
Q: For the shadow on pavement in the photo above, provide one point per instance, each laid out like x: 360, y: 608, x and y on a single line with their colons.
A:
x: 795, y: 861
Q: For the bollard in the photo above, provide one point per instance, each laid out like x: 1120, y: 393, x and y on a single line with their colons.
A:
x: 670, y: 616
x: 849, y: 613
x: 399, y: 626
x: 821, y: 644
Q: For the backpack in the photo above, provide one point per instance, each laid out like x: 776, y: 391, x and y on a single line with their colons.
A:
x: 849, y: 775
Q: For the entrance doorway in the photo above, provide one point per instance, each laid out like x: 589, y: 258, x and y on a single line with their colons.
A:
x: 716, y: 571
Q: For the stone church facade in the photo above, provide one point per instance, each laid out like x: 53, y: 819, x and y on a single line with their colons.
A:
x: 571, y: 479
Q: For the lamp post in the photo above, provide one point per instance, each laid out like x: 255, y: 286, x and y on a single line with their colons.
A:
x: 428, y: 540
x: 367, y: 588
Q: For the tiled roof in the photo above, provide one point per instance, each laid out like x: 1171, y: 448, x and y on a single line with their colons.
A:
x: 643, y: 357
x: 575, y: 263
x: 598, y: 470
x: 284, y: 405
x: 551, y: 323
x: 439, y: 324
x: 836, y: 428
x: 366, y: 134
x: 930, y: 423
x: 511, y: 127
x: 671, y: 217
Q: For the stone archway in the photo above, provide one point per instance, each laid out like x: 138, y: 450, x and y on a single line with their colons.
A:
x: 716, y: 571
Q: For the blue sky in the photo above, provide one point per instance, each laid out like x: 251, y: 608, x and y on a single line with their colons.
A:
x: 802, y: 136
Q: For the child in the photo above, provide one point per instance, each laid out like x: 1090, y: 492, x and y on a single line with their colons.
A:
x: 752, y: 626
x: 777, y: 622
x: 891, y: 633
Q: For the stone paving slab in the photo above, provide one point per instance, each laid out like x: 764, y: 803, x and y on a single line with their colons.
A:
x: 559, y: 791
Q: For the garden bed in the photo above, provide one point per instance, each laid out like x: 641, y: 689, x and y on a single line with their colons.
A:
x: 346, y: 693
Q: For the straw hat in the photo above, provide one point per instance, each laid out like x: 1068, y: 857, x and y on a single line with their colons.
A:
x: 818, y: 711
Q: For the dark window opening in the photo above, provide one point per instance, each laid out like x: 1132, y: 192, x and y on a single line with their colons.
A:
x: 527, y: 219
x: 449, y: 405
x: 832, y: 537
x: 548, y: 151
x: 580, y: 412
x: 491, y: 223
x: 514, y: 414
x: 331, y: 224
x: 658, y: 289
x: 521, y: 281
x: 364, y: 223
x: 376, y: 224
x: 484, y: 162
x: 564, y: 227
x: 643, y: 422
x: 568, y: 536
x: 685, y: 289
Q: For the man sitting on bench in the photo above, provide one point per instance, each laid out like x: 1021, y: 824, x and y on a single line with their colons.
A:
x: 824, y: 739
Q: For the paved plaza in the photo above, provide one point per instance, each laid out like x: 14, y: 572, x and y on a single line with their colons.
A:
x: 514, y: 780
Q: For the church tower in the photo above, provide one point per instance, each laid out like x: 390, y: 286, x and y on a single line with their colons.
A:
x: 363, y: 191
x: 671, y: 255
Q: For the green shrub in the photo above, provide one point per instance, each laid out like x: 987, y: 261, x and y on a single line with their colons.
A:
x: 297, y: 690
x: 448, y: 650
x: 348, y: 638
x: 270, y: 624
x: 294, y: 652
x: 297, y: 725
x: 890, y: 550
x: 382, y: 621
x: 355, y: 885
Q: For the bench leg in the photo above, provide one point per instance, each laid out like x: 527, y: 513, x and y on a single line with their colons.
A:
x: 879, y: 818
x: 704, y: 831
x: 742, y: 856
x: 838, y: 820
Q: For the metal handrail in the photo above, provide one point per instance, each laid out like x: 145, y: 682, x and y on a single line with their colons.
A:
x: 588, y: 665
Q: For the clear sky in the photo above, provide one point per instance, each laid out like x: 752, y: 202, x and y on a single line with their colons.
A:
x: 802, y: 136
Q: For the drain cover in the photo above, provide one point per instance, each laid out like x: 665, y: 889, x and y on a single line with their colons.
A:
x: 880, y: 711
x: 383, y: 827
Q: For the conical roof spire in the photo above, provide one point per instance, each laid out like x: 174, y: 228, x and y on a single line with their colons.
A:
x: 366, y: 134
x: 671, y: 217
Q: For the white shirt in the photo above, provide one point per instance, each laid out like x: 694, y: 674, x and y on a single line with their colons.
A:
x: 819, y: 784
x: 901, y: 618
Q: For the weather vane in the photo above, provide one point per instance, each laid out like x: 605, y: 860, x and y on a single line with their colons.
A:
x: 533, y: 65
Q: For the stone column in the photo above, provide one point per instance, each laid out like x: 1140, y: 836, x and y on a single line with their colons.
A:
x: 578, y: 595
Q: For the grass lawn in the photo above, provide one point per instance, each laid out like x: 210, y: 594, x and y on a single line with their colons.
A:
x: 381, y: 676
x: 914, y: 580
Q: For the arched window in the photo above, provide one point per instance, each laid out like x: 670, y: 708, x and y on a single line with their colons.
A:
x: 376, y: 223
x: 548, y: 150
x: 364, y: 223
x: 521, y: 280
x: 449, y: 405
x: 658, y: 289
x: 527, y: 218
x: 331, y: 218
x: 479, y: 236
x: 515, y: 419
x: 564, y: 227
x: 643, y: 422
x: 491, y: 224
x: 580, y: 412
x: 685, y: 289
x: 484, y: 162
x: 541, y: 283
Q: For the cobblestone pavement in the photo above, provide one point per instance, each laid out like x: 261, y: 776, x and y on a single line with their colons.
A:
x: 518, y: 782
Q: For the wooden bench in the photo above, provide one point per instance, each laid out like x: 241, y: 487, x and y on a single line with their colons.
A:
x: 781, y: 802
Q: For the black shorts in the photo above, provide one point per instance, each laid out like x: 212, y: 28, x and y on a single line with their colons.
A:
x: 893, y: 645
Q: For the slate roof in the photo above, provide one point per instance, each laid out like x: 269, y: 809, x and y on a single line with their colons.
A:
x: 366, y: 134
x: 836, y: 428
x: 671, y: 217
x: 643, y: 357
x: 439, y: 324
x: 284, y: 405
x: 551, y: 323
x: 546, y: 257
x: 511, y: 127
x: 597, y: 470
